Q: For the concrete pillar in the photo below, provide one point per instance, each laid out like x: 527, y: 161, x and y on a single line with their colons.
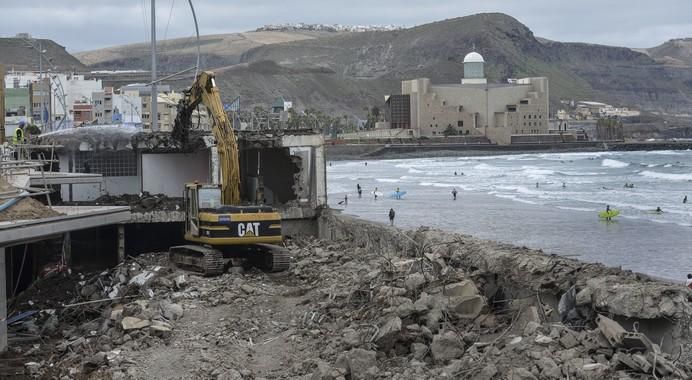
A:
x: 3, y: 302
x: 121, y: 243
x: 215, y: 168
x: 67, y: 248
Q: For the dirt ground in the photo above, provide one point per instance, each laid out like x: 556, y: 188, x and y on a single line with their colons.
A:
x: 342, y: 311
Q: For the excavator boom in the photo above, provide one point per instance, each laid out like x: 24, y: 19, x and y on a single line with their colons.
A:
x: 204, y: 91
x: 221, y: 228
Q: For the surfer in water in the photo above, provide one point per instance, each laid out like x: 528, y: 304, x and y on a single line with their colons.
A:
x: 563, y: 185
x: 455, y: 173
x: 684, y: 200
x: 392, y: 214
x: 608, y: 217
x: 398, y: 193
x: 375, y: 193
x: 360, y: 190
x: 454, y: 193
x: 658, y: 209
x: 537, y: 185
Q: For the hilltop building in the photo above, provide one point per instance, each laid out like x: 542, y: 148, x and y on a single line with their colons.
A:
x: 500, y: 112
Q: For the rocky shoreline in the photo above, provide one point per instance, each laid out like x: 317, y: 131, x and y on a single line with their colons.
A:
x: 362, y: 301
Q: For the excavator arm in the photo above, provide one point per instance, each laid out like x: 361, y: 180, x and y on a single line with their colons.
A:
x: 204, y: 91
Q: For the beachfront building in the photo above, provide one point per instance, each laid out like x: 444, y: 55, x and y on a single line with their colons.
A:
x: 474, y: 107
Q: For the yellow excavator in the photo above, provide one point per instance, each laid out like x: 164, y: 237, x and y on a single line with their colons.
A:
x: 225, y: 232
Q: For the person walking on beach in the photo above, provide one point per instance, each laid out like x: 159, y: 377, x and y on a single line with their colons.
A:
x: 392, y: 214
x: 345, y: 199
x: 454, y: 193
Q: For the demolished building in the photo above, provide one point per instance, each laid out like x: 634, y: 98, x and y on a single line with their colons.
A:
x: 286, y: 168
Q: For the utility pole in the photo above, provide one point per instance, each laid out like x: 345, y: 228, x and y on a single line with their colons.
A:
x: 153, y: 115
x: 2, y: 105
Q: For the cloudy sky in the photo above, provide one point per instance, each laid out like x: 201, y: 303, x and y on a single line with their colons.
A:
x: 89, y: 24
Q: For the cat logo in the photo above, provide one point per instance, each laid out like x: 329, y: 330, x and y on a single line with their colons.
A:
x: 248, y: 229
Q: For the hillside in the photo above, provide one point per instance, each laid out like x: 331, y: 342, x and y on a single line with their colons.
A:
x: 346, y: 72
x: 675, y: 52
x: 181, y: 53
x: 436, y: 50
x: 17, y: 54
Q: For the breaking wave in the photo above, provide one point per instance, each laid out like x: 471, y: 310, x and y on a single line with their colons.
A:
x: 610, y: 163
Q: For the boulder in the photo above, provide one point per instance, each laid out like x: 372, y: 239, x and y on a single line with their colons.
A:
x: 359, y: 363
x: 446, y: 346
x: 322, y: 372
x: 171, y: 311
x: 414, y: 281
x: 351, y: 338
x: 520, y: 374
x: 389, y: 333
x: 419, y: 350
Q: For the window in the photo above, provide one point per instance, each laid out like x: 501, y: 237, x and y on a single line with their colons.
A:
x: 524, y: 102
x: 460, y: 123
x: 109, y: 164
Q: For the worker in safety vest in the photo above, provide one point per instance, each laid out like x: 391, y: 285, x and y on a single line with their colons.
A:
x: 19, y: 133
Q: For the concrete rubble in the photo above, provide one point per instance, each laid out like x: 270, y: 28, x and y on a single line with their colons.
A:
x: 356, y: 307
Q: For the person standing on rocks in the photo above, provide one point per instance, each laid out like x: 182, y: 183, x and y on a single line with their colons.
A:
x: 392, y: 214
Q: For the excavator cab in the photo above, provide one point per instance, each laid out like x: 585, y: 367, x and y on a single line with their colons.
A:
x: 207, y: 221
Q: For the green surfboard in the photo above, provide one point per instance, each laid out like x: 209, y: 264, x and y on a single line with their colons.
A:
x: 608, y: 214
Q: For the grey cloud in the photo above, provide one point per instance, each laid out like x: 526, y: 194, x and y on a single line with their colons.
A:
x: 83, y: 25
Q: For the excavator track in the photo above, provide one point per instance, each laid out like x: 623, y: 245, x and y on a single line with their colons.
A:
x: 196, y: 258
x: 274, y: 258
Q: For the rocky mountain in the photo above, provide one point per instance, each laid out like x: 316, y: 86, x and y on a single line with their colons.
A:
x: 346, y: 72
x: 177, y: 54
x: 22, y: 54
x: 576, y: 71
x: 675, y: 52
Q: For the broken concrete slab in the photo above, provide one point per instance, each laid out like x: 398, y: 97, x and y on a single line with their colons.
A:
x: 133, y: 323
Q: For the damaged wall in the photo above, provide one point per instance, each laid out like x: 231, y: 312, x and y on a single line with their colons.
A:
x: 661, y: 310
x: 120, y: 170
x: 166, y: 173
x: 276, y: 170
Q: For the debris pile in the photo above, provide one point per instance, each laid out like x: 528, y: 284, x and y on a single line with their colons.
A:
x: 419, y: 317
x: 22, y: 208
x: 346, y: 310
x: 26, y: 209
x: 139, y: 203
x: 91, y: 318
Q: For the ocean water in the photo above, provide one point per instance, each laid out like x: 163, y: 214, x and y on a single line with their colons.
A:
x: 548, y: 201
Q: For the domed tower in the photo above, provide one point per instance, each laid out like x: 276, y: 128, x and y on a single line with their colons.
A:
x: 474, y: 71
